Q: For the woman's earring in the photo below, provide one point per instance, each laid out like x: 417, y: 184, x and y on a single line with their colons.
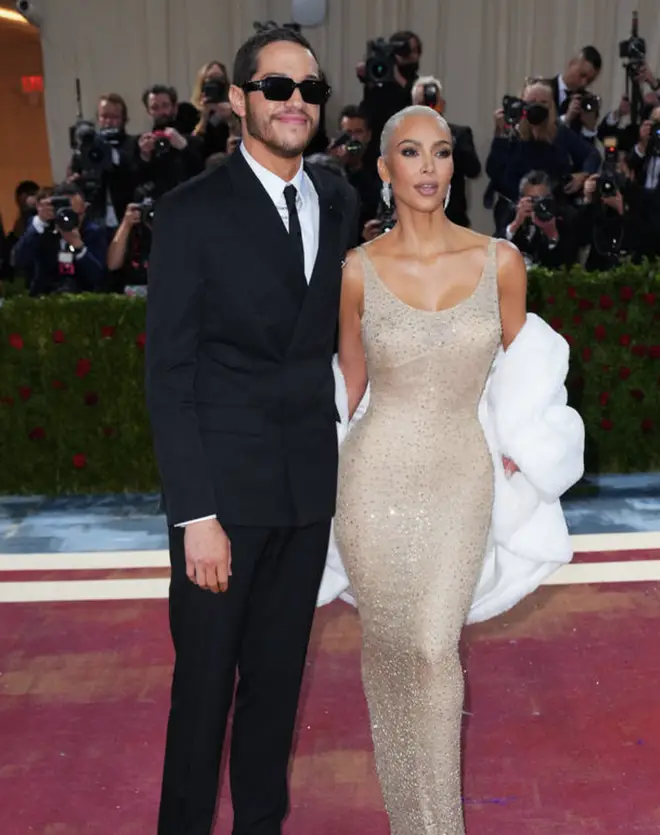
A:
x: 386, y: 193
x: 447, y: 196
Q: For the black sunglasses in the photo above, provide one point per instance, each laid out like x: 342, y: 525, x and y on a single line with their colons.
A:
x: 281, y: 88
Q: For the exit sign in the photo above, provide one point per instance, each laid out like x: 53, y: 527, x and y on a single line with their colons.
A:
x: 32, y: 83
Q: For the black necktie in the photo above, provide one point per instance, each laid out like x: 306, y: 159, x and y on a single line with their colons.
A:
x: 295, y: 232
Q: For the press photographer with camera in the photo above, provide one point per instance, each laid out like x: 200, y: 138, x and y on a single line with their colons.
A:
x: 210, y: 99
x: 104, y: 161
x: 529, y: 137
x: 427, y: 90
x: 644, y: 162
x: 62, y: 250
x: 166, y: 157
x: 538, y: 227
x: 128, y: 253
x: 348, y: 149
x: 568, y: 87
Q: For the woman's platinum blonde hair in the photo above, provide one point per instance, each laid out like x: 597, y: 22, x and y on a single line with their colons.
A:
x: 414, y: 110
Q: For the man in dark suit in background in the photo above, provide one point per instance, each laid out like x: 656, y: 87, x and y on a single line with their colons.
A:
x: 244, y: 286
x: 428, y: 90
x: 580, y: 73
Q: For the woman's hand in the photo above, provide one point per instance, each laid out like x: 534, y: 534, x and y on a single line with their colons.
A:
x: 131, y: 215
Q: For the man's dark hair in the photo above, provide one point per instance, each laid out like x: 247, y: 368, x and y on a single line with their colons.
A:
x: 535, y: 178
x: 68, y: 190
x: 593, y: 56
x: 353, y: 111
x: 26, y: 188
x: 115, y: 98
x: 246, y: 62
x: 407, y: 35
x: 159, y: 90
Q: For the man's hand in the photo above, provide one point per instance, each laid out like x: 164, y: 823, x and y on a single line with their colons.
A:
x: 576, y: 183
x: 645, y: 76
x: 574, y: 108
x: 523, y: 212
x: 590, y: 186
x: 208, y: 555
x: 548, y: 227
x: 501, y: 127
x: 45, y: 211
x: 179, y: 142
x: 644, y: 136
x: 146, y: 145
x: 615, y: 202
x: 73, y: 238
x: 372, y: 229
x: 339, y: 153
x: 131, y: 215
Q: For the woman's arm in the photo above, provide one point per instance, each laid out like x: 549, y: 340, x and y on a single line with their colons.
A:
x: 119, y: 244
x: 352, y: 360
x: 512, y: 286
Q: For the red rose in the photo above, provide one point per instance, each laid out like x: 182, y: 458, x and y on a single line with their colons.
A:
x: 586, y: 354
x: 649, y: 298
x: 16, y: 341
x: 621, y: 315
x: 639, y: 350
x: 7, y: 401
x: 625, y: 340
x: 37, y: 434
x: 577, y: 319
x: 107, y: 331
x: 654, y: 352
x: 647, y: 425
x: 626, y: 294
x: 91, y: 398
x: 605, y: 302
x: 58, y: 385
x: 624, y: 373
x: 606, y: 424
x: 604, y: 398
x: 572, y: 293
x: 585, y: 304
x: 637, y: 394
x: 556, y: 323
x: 79, y: 460
x: 83, y: 367
x: 25, y: 393
x: 58, y: 336
x: 600, y: 333
x: 141, y: 340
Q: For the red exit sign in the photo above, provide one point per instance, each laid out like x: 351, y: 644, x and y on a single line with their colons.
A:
x: 32, y: 83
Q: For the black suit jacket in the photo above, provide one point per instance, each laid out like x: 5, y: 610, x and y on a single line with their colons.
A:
x: 239, y: 382
x: 466, y: 164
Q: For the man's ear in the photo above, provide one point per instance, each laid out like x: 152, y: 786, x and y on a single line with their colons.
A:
x: 237, y: 100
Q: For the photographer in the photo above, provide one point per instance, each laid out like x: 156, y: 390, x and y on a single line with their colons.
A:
x: 104, y: 161
x: 568, y: 87
x: 388, y: 73
x: 428, y: 91
x: 538, y: 229
x: 25, y: 196
x: 644, y: 162
x: 210, y: 98
x: 166, y: 157
x: 128, y: 253
x: 61, y: 250
x: 529, y: 137
x: 348, y: 149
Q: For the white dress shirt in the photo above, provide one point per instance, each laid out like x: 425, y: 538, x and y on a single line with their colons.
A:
x: 307, y: 204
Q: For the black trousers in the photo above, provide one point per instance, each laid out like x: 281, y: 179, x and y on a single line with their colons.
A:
x: 261, y: 628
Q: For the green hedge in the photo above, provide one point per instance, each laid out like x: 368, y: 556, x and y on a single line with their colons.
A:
x: 72, y: 415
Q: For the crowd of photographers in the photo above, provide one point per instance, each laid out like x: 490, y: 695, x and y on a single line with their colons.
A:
x: 567, y: 181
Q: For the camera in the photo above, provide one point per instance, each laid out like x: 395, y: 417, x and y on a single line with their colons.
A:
x: 590, y: 103
x: 146, y: 203
x: 381, y: 60
x: 162, y: 144
x: 353, y: 146
x: 215, y: 91
x: 514, y: 110
x: 633, y: 50
x: 608, y: 179
x: 430, y: 94
x: 545, y: 207
x: 66, y: 220
x: 92, y: 149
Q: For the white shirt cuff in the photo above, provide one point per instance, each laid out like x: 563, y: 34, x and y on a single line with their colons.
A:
x: 192, y: 521
x: 81, y: 254
x: 38, y: 224
x: 509, y: 233
x: 639, y: 153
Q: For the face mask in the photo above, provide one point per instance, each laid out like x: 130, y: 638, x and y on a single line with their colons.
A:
x: 409, y: 71
x: 536, y: 114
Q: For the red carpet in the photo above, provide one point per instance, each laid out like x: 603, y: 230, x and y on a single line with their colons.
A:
x: 563, y: 736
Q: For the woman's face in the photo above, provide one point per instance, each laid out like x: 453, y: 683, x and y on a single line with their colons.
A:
x: 538, y: 94
x: 418, y: 162
x: 216, y: 73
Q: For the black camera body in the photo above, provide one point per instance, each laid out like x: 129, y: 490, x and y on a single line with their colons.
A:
x: 215, y: 91
x: 146, y: 202
x: 66, y: 220
x: 608, y: 179
x: 590, y: 103
x: 514, y: 110
x: 92, y: 148
x: 381, y: 60
x: 545, y: 208
x: 633, y: 49
x: 353, y: 146
x: 430, y: 94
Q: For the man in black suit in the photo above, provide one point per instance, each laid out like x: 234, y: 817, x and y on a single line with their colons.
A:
x: 580, y: 73
x: 244, y: 286
x: 428, y: 90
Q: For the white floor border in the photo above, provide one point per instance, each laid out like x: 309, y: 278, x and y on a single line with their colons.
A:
x: 629, y: 571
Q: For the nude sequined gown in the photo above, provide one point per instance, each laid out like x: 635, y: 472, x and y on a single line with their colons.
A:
x: 414, y: 509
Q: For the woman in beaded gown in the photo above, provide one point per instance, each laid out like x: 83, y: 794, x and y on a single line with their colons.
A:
x: 424, y: 309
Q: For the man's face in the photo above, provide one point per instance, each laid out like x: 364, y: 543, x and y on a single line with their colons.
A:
x: 110, y: 115
x: 581, y: 74
x: 285, y: 127
x: 357, y: 128
x: 414, y: 56
x: 537, y: 191
x: 160, y: 107
x: 78, y: 204
x: 27, y: 201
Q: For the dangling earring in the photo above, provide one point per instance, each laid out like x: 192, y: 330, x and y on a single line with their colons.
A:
x: 447, y: 196
x: 386, y: 193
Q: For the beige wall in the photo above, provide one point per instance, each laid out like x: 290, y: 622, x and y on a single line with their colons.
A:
x: 24, y: 152
x: 479, y: 48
